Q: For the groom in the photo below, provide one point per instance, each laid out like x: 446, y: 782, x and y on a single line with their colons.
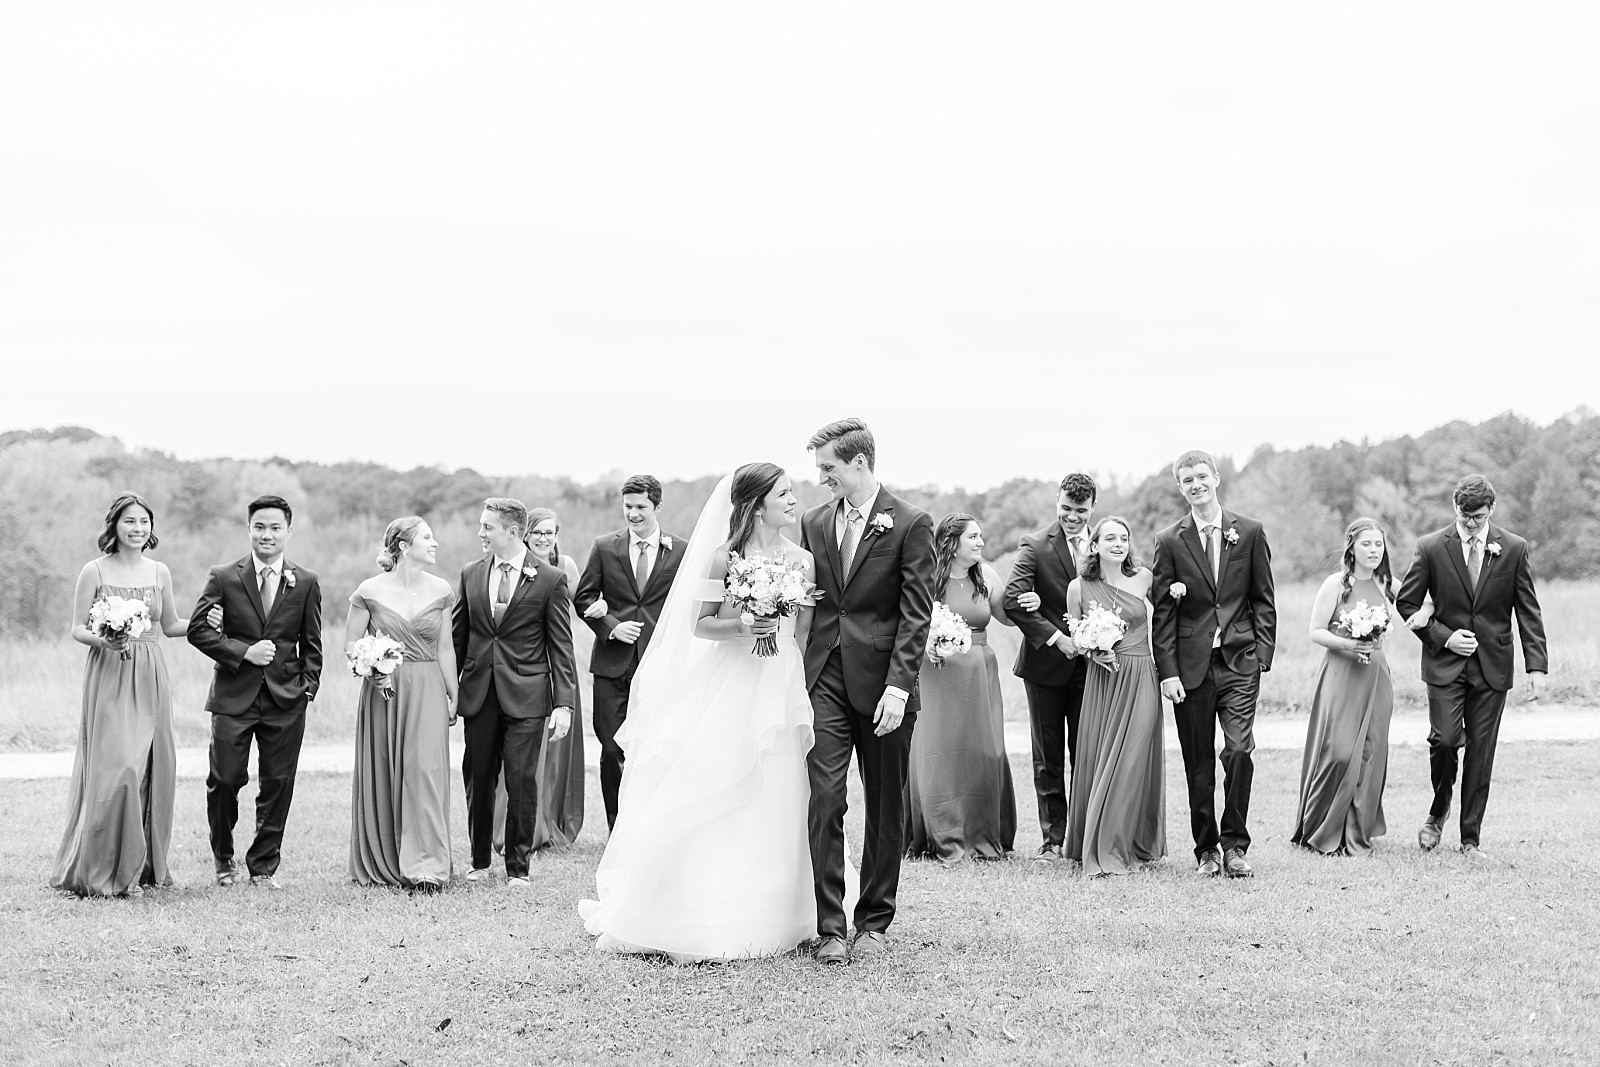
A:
x: 1214, y: 629
x: 1479, y: 576
x: 874, y: 561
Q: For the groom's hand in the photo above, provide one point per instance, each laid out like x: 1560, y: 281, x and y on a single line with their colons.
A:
x: 560, y: 723
x: 1172, y: 689
x: 627, y: 632
x: 1535, y: 684
x: 1462, y: 642
x: 260, y: 654
x: 890, y: 713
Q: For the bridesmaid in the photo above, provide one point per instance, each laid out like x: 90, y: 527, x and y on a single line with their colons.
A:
x: 1118, y: 810
x: 1347, y: 738
x: 124, y: 773
x: 560, y: 774
x: 961, y: 798
x: 400, y: 796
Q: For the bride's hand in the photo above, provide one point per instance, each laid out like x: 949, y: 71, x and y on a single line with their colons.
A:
x: 1422, y: 616
x: 759, y: 627
x: 597, y: 610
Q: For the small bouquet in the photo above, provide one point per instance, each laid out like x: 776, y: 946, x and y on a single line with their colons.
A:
x: 1097, y: 632
x: 764, y: 588
x: 948, y: 634
x: 118, y: 619
x: 375, y: 657
x: 1364, y: 623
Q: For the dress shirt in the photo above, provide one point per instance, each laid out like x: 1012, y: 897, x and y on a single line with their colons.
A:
x: 1078, y: 549
x: 1214, y: 526
x: 1466, y: 542
x: 276, y: 569
x: 840, y: 520
x: 517, y: 562
x: 652, y: 550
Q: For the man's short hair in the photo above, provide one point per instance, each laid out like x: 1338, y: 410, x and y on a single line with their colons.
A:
x: 1080, y: 488
x: 513, y: 513
x: 646, y: 484
x: 1193, y: 458
x: 262, y: 503
x: 850, y: 438
x: 1473, y: 493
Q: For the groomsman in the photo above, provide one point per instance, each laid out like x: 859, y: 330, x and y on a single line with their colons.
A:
x: 260, y: 619
x: 1048, y: 663
x: 620, y: 594
x: 1479, y: 575
x: 1214, y: 630
x: 513, y: 642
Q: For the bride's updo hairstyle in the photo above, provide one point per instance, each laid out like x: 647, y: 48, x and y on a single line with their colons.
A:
x: 400, y: 532
x: 1383, y: 574
x: 751, y: 484
x: 1130, y: 563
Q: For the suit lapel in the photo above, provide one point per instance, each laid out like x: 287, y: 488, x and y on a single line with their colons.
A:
x: 1189, y: 534
x: 1225, y: 552
x: 624, y: 550
x: 1058, y: 538
x: 660, y: 564
x: 829, y: 536
x: 478, y: 590
x: 524, y: 585
x: 1488, y: 562
x: 883, y: 502
x: 1454, y: 548
x: 247, y: 577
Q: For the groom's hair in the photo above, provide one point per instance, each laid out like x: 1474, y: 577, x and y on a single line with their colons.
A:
x: 1080, y: 488
x: 1473, y: 492
x: 512, y: 512
x: 262, y: 503
x: 1193, y: 458
x: 850, y: 438
x: 647, y: 484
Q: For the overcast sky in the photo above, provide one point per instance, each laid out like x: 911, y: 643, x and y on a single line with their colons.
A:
x: 571, y: 238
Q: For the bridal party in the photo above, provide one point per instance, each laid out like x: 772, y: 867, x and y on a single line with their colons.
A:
x: 740, y: 667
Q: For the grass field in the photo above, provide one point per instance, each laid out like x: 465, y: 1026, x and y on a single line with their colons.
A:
x: 41, y: 681
x: 1397, y: 958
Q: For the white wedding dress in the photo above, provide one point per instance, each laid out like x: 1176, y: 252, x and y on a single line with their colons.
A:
x: 709, y: 859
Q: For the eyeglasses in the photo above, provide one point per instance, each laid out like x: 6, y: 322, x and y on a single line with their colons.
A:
x: 1475, y: 518
x: 542, y: 535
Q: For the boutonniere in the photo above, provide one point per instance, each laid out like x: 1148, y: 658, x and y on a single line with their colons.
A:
x: 289, y: 578
x: 1232, y: 536
x: 666, y: 543
x: 1493, y: 548
x: 882, y: 521
x: 1177, y: 590
x: 530, y: 572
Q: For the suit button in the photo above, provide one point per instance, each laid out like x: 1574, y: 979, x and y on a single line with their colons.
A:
x: 843, y: 612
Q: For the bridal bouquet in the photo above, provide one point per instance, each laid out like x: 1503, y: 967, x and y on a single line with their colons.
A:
x: 375, y: 657
x: 764, y: 588
x: 117, y: 618
x: 948, y: 634
x: 1364, y: 623
x: 1097, y: 632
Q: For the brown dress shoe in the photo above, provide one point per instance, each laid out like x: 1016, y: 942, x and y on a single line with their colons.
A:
x: 1236, y: 866
x: 1474, y: 854
x: 1428, y: 835
x: 832, y: 950
x: 869, y: 943
x: 1210, y: 864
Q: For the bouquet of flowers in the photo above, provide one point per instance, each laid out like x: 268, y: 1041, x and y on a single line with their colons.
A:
x: 948, y: 635
x: 1097, y: 632
x: 1363, y: 622
x: 764, y: 588
x: 375, y: 657
x: 119, y: 619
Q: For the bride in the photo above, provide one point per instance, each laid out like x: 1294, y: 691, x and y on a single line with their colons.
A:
x: 709, y: 858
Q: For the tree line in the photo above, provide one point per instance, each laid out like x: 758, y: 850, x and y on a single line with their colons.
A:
x: 54, y: 485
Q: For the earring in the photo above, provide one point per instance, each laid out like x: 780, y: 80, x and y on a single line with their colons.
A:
x: 760, y: 518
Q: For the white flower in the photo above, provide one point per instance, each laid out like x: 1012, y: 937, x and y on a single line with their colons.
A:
x: 288, y: 576
x: 1493, y: 548
x: 666, y: 543
x: 948, y: 634
x: 1232, y: 536
x: 1098, y: 629
x: 530, y: 572
x: 882, y: 521
x: 1177, y: 590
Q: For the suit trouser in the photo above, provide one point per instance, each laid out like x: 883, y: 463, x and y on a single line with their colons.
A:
x: 1053, y: 712
x: 1224, y: 696
x: 496, y: 741
x: 884, y: 762
x: 610, y: 712
x: 277, y: 733
x: 1464, y: 712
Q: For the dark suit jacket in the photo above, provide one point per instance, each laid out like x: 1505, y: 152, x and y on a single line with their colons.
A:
x: 1240, y: 602
x: 608, y: 573
x: 1505, y: 586
x: 1044, y: 566
x: 295, y: 629
x: 528, y: 654
x: 878, y: 614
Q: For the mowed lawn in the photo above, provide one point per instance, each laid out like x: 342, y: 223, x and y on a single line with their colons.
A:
x: 1395, y: 958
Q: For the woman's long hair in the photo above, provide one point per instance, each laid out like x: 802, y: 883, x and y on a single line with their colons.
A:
x: 1092, y: 571
x: 751, y: 484
x: 108, y: 536
x: 399, y: 532
x: 1383, y: 573
x: 535, y: 517
x: 946, y: 543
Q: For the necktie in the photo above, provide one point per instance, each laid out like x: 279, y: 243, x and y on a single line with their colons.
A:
x: 269, y: 589
x: 1213, y: 550
x: 1475, y: 560
x: 502, y: 594
x: 847, y: 550
x: 641, y: 569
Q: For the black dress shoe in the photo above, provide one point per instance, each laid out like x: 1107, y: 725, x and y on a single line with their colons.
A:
x: 832, y: 950
x: 1048, y: 853
x: 869, y: 943
x: 1210, y: 864
x: 1428, y: 835
x: 1236, y: 866
x: 228, y: 877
